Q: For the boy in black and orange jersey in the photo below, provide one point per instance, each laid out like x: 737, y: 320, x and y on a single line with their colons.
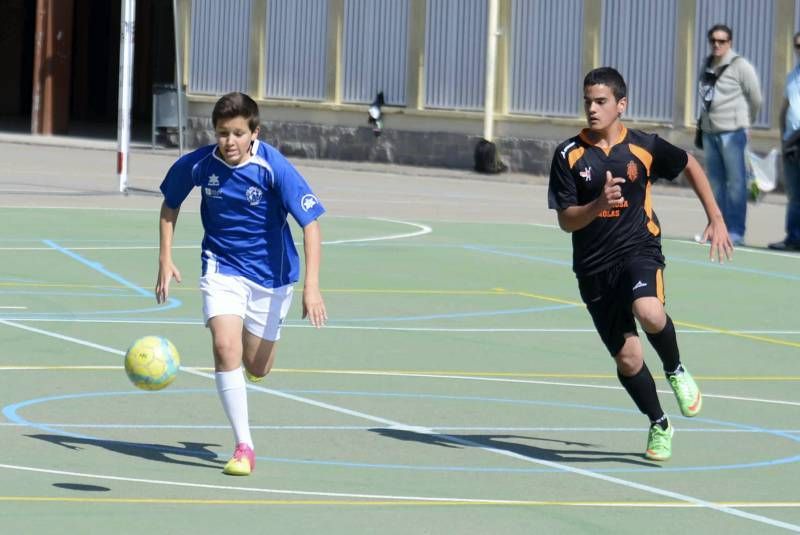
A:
x: 600, y: 184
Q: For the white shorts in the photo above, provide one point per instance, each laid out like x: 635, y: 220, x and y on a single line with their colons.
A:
x: 262, y: 309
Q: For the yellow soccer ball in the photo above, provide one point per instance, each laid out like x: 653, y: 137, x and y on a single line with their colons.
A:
x: 152, y: 363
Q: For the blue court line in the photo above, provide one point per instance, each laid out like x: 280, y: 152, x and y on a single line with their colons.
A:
x: 669, y: 259
x: 542, y: 259
x: 11, y: 413
x: 111, y: 293
x: 97, y: 266
x: 738, y: 269
x: 140, y: 292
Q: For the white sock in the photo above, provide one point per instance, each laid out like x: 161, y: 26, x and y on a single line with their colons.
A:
x: 232, y: 391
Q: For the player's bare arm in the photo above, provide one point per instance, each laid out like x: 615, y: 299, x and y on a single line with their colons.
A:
x: 576, y: 217
x: 716, y: 232
x: 166, y: 269
x: 313, y: 305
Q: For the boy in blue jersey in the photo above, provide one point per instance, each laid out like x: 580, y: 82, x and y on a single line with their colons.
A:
x: 600, y: 183
x: 249, y: 261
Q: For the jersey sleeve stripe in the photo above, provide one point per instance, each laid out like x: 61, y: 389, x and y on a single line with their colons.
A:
x: 644, y: 156
x: 574, y: 156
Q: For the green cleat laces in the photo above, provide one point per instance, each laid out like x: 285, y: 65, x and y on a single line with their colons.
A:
x: 687, y: 393
x: 659, y: 443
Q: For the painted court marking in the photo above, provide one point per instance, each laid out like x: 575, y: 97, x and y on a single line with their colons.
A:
x: 733, y: 511
x: 402, y: 426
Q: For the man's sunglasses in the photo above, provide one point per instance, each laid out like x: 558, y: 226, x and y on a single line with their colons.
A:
x: 718, y: 41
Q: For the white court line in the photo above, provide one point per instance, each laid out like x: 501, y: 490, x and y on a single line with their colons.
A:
x: 460, y: 429
x: 422, y: 230
x: 743, y: 248
x: 446, y: 376
x: 554, y: 383
x: 458, y: 440
x: 394, y: 497
x: 304, y: 325
x: 8, y: 307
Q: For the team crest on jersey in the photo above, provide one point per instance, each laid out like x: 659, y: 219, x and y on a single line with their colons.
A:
x: 213, y: 181
x: 308, y: 202
x: 586, y: 174
x: 253, y: 195
x: 633, y: 171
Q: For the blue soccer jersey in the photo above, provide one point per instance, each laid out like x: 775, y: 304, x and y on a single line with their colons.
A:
x: 244, y: 211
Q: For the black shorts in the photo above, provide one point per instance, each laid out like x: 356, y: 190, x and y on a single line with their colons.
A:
x: 609, y: 296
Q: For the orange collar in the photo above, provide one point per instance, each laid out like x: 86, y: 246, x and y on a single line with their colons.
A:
x: 585, y: 137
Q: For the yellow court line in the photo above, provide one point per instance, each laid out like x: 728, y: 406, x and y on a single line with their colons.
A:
x: 492, y: 291
x: 547, y: 298
x: 444, y: 373
x: 767, y: 339
x: 444, y: 502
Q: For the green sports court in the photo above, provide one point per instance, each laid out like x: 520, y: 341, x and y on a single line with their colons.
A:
x: 459, y: 386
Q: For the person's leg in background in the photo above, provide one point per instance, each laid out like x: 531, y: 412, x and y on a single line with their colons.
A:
x: 791, y: 169
x: 733, y: 145
x: 715, y: 168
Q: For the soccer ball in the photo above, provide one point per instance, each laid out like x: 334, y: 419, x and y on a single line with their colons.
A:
x: 152, y: 363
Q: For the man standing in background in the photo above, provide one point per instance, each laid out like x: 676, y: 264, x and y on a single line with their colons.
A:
x: 731, y: 97
x: 790, y: 136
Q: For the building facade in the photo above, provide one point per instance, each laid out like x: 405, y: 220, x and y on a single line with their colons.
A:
x: 314, y: 67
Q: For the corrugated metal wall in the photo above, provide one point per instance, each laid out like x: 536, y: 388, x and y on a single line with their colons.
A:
x: 545, y: 50
x: 455, y: 54
x: 752, y: 40
x: 219, y: 49
x: 375, y: 49
x: 544, y: 59
x: 638, y: 39
x: 296, y: 49
x: 796, y: 15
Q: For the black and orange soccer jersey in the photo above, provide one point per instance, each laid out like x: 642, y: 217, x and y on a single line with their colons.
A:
x: 577, y: 177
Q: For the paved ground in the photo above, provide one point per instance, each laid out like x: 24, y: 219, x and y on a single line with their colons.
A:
x: 54, y: 171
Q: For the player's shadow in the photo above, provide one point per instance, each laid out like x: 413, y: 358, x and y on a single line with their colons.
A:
x: 584, y: 453
x: 189, y: 455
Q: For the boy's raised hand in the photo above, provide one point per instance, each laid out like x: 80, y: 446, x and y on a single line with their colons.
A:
x: 612, y: 191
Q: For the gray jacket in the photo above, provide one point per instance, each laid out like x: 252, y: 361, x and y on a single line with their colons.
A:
x: 737, y: 96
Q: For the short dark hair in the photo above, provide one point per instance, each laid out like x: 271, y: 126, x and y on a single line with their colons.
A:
x: 236, y: 105
x: 610, y: 77
x: 721, y: 28
x: 796, y: 36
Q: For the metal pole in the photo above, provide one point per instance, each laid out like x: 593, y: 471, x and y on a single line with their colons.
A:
x: 178, y: 72
x: 491, y: 67
x: 128, y: 24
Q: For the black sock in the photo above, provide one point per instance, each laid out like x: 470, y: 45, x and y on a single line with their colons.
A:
x: 666, y: 345
x: 642, y: 389
x: 662, y: 422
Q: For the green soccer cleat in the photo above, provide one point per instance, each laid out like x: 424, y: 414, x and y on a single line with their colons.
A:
x: 659, y: 443
x: 690, y: 400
